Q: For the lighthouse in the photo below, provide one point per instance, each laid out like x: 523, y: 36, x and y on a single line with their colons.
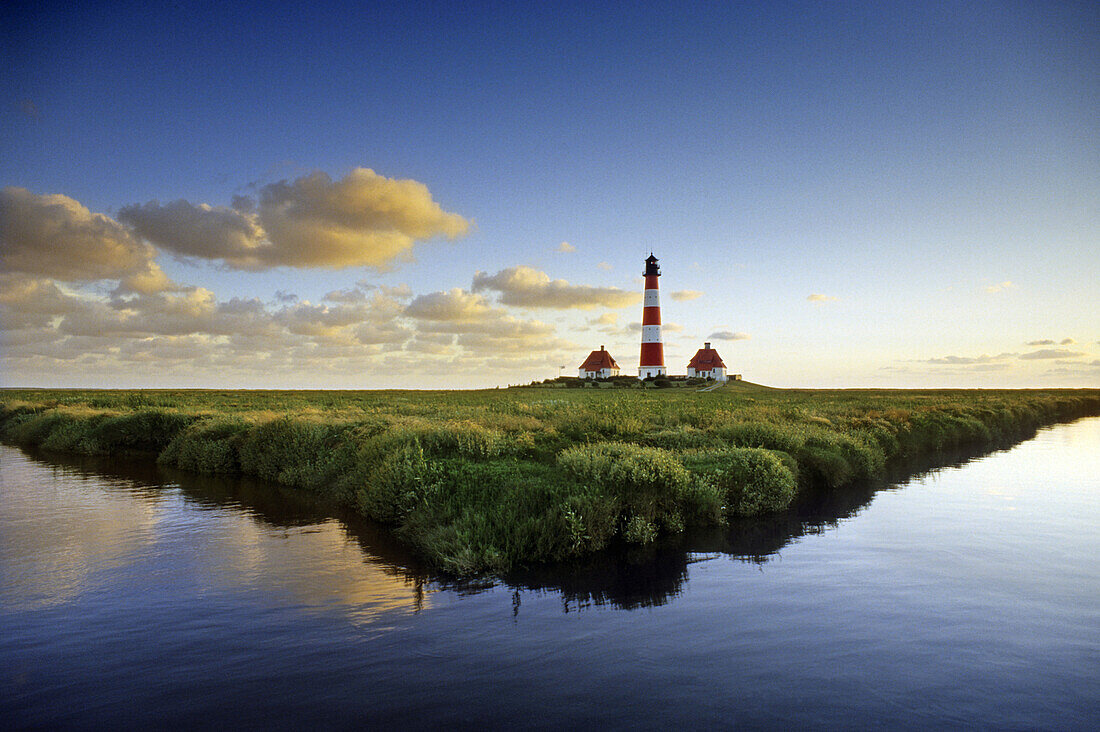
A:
x: 652, y: 361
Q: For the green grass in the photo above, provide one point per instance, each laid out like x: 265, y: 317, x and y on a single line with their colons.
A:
x: 483, y: 481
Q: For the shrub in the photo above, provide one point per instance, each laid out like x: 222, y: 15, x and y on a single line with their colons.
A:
x: 645, y: 483
x: 298, y: 453
x: 642, y: 477
x: 149, y: 431
x: 822, y: 461
x: 702, y: 503
x: 581, y: 426
x: 467, y: 439
x: 402, y: 480
x: 762, y: 434
x: 209, y: 446
x: 637, y: 530
x: 681, y: 438
x: 489, y: 516
x: 877, y: 434
x: 751, y: 480
x: 31, y: 428
x: 73, y: 435
x: 56, y: 430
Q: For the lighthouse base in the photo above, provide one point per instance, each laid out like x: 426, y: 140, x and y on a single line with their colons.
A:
x: 645, y: 372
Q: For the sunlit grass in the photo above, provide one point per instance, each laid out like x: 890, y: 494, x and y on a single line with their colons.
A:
x: 484, y: 480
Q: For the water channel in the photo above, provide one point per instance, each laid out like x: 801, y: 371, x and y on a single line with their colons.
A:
x: 966, y: 596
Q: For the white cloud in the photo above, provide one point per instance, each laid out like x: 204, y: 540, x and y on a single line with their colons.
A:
x: 725, y: 335
x: 971, y: 360
x: 526, y: 287
x: 683, y: 295
x: 1051, y: 353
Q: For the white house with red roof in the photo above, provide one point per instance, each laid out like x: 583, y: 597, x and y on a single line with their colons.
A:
x: 707, y: 364
x: 599, y: 365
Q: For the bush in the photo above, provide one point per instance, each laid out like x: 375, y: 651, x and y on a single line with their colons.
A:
x: 583, y: 426
x: 751, y: 480
x: 645, y: 482
x: 57, y: 430
x: 682, y: 437
x: 637, y: 530
x: 490, y: 516
x: 822, y: 461
x: 467, y: 439
x: 209, y: 446
x: 298, y: 453
x: 73, y: 435
x: 638, y: 475
x: 149, y: 431
x: 32, y: 428
x: 394, y: 488
x: 785, y: 438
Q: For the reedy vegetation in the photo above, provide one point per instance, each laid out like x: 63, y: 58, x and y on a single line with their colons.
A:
x: 480, y: 481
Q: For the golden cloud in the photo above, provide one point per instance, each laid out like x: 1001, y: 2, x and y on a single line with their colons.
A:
x: 488, y: 344
x: 47, y: 325
x: 526, y: 287
x: 198, y: 230
x: 29, y: 302
x: 361, y: 220
x: 682, y: 295
x: 999, y: 287
x: 478, y: 328
x: 453, y: 305
x: 55, y: 236
x: 608, y: 318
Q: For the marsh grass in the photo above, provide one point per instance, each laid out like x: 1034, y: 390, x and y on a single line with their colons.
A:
x: 484, y: 481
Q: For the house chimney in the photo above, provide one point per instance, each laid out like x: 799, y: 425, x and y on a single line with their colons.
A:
x: 707, y: 345
x: 601, y: 348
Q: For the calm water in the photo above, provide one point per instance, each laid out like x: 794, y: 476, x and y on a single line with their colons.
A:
x: 969, y: 596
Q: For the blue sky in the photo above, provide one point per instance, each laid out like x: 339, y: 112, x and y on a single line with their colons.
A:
x: 931, y: 171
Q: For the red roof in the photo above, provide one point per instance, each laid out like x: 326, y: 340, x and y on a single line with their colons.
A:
x: 706, y: 359
x: 598, y: 360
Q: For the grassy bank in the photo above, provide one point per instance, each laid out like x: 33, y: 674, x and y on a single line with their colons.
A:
x: 482, y: 481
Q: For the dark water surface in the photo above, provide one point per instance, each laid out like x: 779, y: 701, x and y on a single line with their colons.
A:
x: 969, y: 596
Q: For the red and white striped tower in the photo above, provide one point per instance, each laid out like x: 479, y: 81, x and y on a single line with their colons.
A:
x: 652, y: 362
